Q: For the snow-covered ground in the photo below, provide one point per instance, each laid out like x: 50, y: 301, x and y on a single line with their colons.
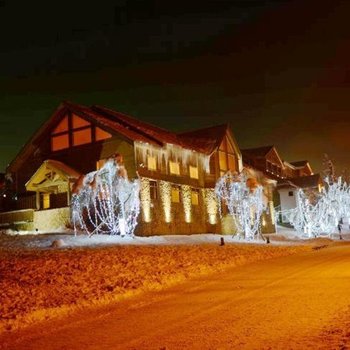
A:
x: 65, y: 239
x: 48, y: 275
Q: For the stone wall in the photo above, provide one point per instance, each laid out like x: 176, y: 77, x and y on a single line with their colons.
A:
x: 51, y: 219
x: 17, y: 219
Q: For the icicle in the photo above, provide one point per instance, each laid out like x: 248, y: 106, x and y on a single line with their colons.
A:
x: 172, y: 152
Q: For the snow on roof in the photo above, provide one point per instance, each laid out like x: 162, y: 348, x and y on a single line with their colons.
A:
x: 202, y: 141
x: 257, y: 152
x: 205, y: 140
x: 40, y: 176
x: 299, y: 164
x: 310, y: 181
x: 150, y: 131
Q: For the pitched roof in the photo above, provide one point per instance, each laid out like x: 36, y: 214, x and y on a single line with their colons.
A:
x: 64, y: 169
x: 202, y: 141
x: 258, y: 152
x: 120, y: 122
x: 300, y: 163
x: 310, y: 181
x: 110, y: 122
x: 205, y: 140
x: 39, y: 177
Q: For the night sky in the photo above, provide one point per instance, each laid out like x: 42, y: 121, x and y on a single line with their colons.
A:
x: 277, y: 71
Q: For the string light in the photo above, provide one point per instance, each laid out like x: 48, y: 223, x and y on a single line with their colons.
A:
x: 211, y: 204
x: 107, y: 202
x: 165, y: 197
x: 187, y: 202
x: 320, y: 213
x: 244, y: 204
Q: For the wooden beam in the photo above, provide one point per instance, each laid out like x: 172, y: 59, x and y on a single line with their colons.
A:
x: 37, y: 200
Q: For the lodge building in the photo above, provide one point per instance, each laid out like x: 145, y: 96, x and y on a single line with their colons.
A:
x: 178, y: 171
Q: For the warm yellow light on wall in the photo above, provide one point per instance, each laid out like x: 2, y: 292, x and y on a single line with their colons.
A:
x: 187, y: 202
x: 272, y: 212
x: 145, y: 198
x: 165, y: 197
x: 212, y: 219
x: 210, y: 204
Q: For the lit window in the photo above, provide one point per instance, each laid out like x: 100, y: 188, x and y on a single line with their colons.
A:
x: 193, y: 172
x: 222, y: 161
x: 227, y: 157
x: 101, y: 134
x: 153, y: 189
x: 46, y: 200
x: 151, y: 163
x: 81, y: 137
x: 62, y: 126
x: 231, y: 162
x: 175, y: 194
x: 194, y: 197
x: 174, y: 168
x: 79, y: 122
x: 59, y: 142
x: 71, y: 131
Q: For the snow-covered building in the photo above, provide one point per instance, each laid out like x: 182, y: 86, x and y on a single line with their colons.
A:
x: 265, y: 159
x: 177, y: 171
x: 287, y: 189
x: 268, y: 167
x: 288, y: 177
x: 297, y: 169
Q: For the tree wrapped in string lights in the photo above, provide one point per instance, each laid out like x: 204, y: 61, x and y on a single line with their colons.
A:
x: 244, y: 203
x: 105, y: 201
x: 321, y: 214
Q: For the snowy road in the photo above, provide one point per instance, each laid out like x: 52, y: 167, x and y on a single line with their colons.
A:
x: 296, y: 302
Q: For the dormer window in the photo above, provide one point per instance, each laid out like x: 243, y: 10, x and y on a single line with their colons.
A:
x: 227, y: 158
x: 174, y: 168
x: 73, y: 130
x: 151, y: 163
x: 193, y: 172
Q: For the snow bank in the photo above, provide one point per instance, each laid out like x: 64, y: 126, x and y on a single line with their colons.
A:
x: 37, y: 284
